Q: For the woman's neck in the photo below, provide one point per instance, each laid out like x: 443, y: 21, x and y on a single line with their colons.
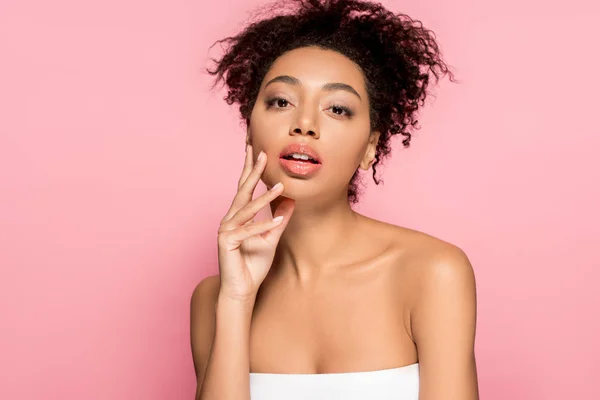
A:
x: 314, y: 239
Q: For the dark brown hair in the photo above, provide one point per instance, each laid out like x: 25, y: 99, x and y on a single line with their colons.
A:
x: 396, y: 54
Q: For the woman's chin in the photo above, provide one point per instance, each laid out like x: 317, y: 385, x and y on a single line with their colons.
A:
x: 299, y: 194
x: 302, y: 191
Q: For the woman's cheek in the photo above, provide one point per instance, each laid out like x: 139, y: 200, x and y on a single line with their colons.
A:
x: 271, y: 172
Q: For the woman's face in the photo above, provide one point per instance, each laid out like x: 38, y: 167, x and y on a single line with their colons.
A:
x: 316, y: 98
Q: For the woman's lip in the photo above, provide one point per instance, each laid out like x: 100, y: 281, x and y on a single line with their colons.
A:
x: 302, y: 168
x: 300, y: 148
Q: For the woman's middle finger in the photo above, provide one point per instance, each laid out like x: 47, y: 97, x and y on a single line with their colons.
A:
x: 249, y: 211
x: 246, y: 190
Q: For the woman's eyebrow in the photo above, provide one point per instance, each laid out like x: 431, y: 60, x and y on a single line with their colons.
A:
x: 328, y: 86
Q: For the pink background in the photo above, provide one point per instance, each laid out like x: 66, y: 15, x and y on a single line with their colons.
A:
x: 116, y: 165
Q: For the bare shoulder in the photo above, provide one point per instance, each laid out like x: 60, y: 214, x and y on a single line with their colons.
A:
x: 436, y: 282
x: 434, y: 261
x: 442, y: 307
x: 424, y: 260
x: 429, y: 254
x: 202, y: 321
x: 418, y: 245
x: 425, y: 253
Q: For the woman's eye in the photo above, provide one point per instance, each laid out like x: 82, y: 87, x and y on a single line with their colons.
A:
x: 278, y: 102
x: 341, y: 110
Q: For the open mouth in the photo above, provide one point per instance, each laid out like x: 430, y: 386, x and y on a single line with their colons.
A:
x: 303, y: 159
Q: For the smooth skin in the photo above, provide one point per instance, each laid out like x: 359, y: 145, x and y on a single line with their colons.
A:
x: 327, y: 289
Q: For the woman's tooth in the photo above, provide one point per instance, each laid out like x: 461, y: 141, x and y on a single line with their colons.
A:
x: 302, y: 157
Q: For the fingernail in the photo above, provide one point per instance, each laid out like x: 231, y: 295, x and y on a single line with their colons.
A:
x: 277, y: 186
x: 261, y: 155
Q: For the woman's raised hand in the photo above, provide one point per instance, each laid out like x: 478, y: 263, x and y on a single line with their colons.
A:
x: 247, y: 248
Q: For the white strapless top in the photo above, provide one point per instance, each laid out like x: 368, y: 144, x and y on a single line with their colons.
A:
x: 387, y: 384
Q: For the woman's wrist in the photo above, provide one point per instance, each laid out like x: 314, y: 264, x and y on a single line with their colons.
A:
x: 234, y: 304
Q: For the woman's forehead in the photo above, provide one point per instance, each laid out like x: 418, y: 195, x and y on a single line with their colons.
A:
x: 312, y: 66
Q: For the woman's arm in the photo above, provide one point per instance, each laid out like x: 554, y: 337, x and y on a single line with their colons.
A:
x: 246, y: 249
x: 220, y: 335
x: 443, y: 326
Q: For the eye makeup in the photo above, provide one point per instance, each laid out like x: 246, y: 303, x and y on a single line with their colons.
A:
x: 276, y: 102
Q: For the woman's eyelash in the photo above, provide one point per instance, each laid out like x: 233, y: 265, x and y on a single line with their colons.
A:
x: 271, y: 101
x: 348, y: 111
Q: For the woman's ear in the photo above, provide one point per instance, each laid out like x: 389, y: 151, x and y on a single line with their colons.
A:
x: 371, y: 151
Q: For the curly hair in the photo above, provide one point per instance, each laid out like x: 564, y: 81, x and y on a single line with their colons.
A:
x: 395, y: 54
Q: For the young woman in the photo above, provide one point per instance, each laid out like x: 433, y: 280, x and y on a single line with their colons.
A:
x: 322, y: 302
